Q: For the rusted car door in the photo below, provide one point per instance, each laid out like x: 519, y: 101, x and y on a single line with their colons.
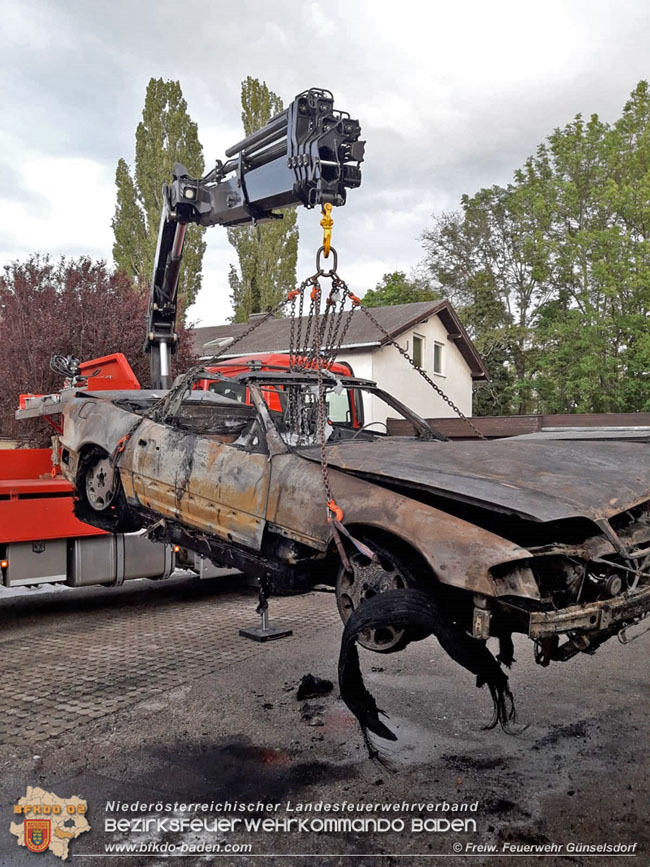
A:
x: 155, y: 466
x: 228, y: 490
x: 201, y: 480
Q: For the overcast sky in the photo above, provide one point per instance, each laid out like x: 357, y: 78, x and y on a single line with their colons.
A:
x: 450, y: 96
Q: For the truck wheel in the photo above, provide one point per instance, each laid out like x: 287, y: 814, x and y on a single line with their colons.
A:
x: 101, y: 501
x: 367, y: 580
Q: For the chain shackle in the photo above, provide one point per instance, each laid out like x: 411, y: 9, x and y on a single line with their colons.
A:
x: 335, y: 259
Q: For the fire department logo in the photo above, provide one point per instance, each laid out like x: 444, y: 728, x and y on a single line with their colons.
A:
x: 37, y: 834
x: 50, y: 823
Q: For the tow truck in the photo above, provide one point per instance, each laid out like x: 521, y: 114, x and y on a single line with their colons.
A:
x: 308, y: 155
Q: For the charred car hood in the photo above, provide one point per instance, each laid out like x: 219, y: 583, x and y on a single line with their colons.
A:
x: 545, y: 481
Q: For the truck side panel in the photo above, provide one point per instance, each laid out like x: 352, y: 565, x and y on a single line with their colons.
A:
x: 33, y: 505
x: 41, y: 541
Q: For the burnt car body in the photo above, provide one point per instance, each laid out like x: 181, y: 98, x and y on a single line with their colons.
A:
x: 547, y: 538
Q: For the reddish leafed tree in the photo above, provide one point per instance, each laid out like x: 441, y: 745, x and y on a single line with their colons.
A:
x: 67, y: 307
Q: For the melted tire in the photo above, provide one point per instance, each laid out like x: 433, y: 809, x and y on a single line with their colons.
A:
x: 393, y: 574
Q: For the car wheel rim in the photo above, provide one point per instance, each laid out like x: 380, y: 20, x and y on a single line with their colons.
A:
x: 366, y: 580
x: 99, y: 485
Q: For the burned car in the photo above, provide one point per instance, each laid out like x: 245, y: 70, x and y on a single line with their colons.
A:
x: 546, y: 538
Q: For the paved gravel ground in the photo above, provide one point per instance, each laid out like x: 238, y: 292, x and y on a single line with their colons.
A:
x: 149, y: 694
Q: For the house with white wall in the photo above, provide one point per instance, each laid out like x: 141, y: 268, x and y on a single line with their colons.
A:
x: 430, y: 331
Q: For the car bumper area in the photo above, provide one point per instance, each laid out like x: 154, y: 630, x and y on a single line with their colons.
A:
x: 608, y: 615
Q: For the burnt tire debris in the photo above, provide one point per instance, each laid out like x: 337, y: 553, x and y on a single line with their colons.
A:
x: 313, y: 687
x: 415, y: 608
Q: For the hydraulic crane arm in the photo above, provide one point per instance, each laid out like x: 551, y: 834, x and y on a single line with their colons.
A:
x: 309, y: 155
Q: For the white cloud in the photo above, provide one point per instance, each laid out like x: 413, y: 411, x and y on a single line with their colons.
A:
x: 57, y: 205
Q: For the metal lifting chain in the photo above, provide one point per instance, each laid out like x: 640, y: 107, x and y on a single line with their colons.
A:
x: 333, y: 510
x: 161, y: 407
x: 324, y: 334
x: 331, y: 349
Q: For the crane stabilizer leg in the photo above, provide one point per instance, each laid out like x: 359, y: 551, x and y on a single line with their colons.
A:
x: 265, y: 631
x: 309, y: 154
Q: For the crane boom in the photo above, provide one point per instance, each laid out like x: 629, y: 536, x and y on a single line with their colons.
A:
x: 308, y: 154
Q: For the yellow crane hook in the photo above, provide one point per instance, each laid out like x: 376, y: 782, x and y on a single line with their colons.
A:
x: 327, y: 222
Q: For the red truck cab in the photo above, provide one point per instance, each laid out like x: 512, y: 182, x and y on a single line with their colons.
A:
x: 346, y: 407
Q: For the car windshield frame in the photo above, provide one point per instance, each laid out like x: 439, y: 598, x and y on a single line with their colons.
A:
x: 256, y: 382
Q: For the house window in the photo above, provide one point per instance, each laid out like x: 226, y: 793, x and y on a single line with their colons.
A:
x: 418, y: 349
x: 437, y: 357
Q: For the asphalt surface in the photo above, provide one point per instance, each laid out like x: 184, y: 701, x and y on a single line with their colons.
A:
x: 149, y: 695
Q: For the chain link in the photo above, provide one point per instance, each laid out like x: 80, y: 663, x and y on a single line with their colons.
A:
x: 330, y: 345
x: 329, y: 499
x: 161, y: 408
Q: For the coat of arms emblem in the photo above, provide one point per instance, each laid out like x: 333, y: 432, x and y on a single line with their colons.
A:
x: 37, y: 834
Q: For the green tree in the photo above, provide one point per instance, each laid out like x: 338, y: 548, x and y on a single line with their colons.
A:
x: 397, y: 288
x: 551, y: 274
x: 592, y: 342
x: 488, y: 259
x: 267, y: 252
x: 165, y: 135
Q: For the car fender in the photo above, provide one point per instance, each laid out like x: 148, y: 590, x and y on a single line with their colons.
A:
x: 92, y: 422
x: 458, y: 552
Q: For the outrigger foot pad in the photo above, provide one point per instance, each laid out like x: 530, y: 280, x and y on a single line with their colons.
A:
x: 264, y: 632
